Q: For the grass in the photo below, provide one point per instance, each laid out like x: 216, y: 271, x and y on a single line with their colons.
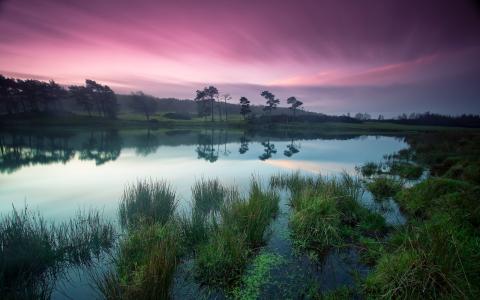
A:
x: 369, y: 169
x: 327, y: 212
x: 33, y: 252
x: 406, y: 170
x: 384, y: 187
x: 148, y: 202
x: 240, y: 231
x: 430, y: 260
x: 435, y: 255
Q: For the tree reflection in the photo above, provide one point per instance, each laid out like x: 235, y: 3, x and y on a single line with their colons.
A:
x: 206, y: 147
x: 243, y: 145
x: 269, y: 149
x: 17, y: 151
x: 292, y: 149
x: 102, y: 147
x: 146, y: 144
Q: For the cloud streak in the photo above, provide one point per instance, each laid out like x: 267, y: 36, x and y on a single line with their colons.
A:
x: 304, y: 47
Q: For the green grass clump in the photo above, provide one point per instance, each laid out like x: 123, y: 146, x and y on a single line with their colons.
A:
x: 145, y: 264
x: 430, y: 260
x: 316, y: 224
x: 430, y: 194
x: 33, y: 252
x: 147, y: 261
x: 327, y: 212
x: 384, y: 187
x: 369, y: 169
x: 239, y: 232
x: 257, y: 276
x: 222, y: 259
x: 147, y: 202
x: 208, y: 195
x: 406, y: 170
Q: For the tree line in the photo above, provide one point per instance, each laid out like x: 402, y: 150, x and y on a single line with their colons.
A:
x: 210, y: 95
x: 34, y: 96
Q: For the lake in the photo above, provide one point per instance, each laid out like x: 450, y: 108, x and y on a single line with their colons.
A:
x: 58, y: 172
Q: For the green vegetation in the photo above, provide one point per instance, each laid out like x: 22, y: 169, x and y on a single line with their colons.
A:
x: 383, y: 187
x: 240, y: 231
x: 406, y: 170
x: 327, y: 212
x: 257, y: 276
x: 369, y: 169
x: 34, y: 252
x: 147, y: 202
x: 435, y: 255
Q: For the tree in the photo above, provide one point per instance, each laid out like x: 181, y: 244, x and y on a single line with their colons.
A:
x: 226, y: 98
x: 201, y: 103
x: 381, y: 117
x: 294, y: 104
x: 143, y: 104
x: 7, y: 95
x: 211, y: 94
x: 103, y: 97
x: 245, y: 107
x: 56, y: 93
x: 82, y: 97
x: 271, y: 101
x: 205, y: 96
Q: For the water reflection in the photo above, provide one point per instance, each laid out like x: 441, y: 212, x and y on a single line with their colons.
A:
x: 26, y: 148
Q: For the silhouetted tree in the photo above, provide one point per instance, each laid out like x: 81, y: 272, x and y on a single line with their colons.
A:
x: 211, y: 93
x: 82, y: 98
x: 104, y: 98
x: 272, y: 102
x: 245, y: 107
x: 201, y: 101
x: 226, y: 98
x: 143, y: 104
x: 294, y: 104
x: 7, y: 95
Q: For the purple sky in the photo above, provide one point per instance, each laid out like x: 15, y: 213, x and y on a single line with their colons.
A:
x: 336, y: 56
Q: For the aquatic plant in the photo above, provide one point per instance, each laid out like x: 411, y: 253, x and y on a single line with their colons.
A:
x: 406, y: 170
x: 144, y: 265
x: 433, y: 259
x: 34, y: 252
x: 383, y: 187
x: 148, y: 202
x: 239, y: 232
x: 256, y: 277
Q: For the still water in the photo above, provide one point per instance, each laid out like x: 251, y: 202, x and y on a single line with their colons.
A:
x: 59, y: 172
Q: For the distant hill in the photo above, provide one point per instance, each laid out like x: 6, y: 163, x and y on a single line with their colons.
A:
x: 190, y: 106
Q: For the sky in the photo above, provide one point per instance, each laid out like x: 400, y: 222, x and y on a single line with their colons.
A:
x: 353, y: 56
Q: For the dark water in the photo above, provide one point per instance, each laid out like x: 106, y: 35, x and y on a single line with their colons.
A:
x: 58, y: 172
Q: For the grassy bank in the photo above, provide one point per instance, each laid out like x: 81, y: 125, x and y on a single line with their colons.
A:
x: 159, y: 120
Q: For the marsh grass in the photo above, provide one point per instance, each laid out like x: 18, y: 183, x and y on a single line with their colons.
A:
x: 144, y: 265
x: 209, y: 197
x: 430, y: 260
x: 327, y: 211
x: 34, y: 252
x: 406, y: 170
x: 383, y: 187
x: 148, y: 202
x: 240, y: 231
